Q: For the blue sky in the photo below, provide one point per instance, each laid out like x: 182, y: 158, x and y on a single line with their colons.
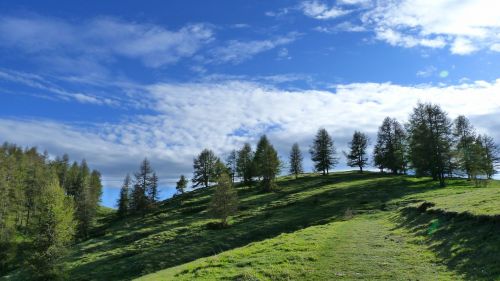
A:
x: 115, y: 81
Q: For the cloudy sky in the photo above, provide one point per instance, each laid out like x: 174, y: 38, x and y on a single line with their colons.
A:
x: 114, y: 82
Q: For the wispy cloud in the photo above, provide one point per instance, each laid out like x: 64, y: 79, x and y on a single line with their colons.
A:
x: 321, y: 11
x: 101, y: 39
x: 236, y: 51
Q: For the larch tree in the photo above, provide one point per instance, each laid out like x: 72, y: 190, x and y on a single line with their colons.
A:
x: 464, y: 139
x: 205, y: 168
x: 390, y: 151
x: 181, y: 185
x: 244, y: 163
x: 323, y: 152
x: 232, y: 164
x: 296, y: 159
x: 430, y: 142
x: 152, y: 190
x: 267, y: 163
x: 224, y: 201
x: 357, y: 156
x: 142, y: 186
x: 54, y: 228
x: 124, y: 199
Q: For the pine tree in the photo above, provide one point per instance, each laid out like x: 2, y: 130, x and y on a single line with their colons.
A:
x: 296, y: 159
x: 430, y: 142
x: 492, y: 154
x: 54, y: 230
x: 83, y: 201
x: 244, y: 164
x: 260, y: 152
x: 323, y: 152
x: 181, y: 185
x: 124, y: 200
x: 357, y: 156
x: 224, y: 200
x: 391, y: 149
x: 205, y: 171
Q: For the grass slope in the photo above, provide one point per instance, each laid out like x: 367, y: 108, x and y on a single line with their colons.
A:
x: 403, y: 228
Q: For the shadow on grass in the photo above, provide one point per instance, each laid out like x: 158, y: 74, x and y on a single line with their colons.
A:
x: 173, y: 236
x: 466, y: 243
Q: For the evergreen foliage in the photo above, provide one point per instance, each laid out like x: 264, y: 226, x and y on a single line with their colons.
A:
x: 124, y: 199
x: 390, y: 151
x: 357, y: 156
x: 323, y: 152
x: 181, y: 185
x: 244, y: 163
x: 296, y: 159
x: 206, y: 168
x: 224, y: 201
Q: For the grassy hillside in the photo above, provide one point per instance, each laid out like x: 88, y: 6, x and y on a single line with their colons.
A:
x: 345, y: 226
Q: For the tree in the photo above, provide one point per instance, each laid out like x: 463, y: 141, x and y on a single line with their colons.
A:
x: 83, y: 200
x: 143, y: 185
x: 267, y: 164
x: 181, y: 185
x: 54, y: 230
x: 491, y: 153
x: 205, y: 171
x: 323, y: 152
x: 124, y: 200
x: 390, y: 151
x: 244, y: 164
x: 430, y: 142
x: 152, y: 190
x: 357, y: 155
x: 296, y: 159
x: 224, y: 200
x: 464, y: 137
x: 232, y: 164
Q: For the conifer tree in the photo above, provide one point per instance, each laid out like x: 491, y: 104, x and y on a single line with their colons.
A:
x: 266, y: 163
x: 244, y: 164
x: 54, y: 230
x: 357, y: 156
x: 224, y: 200
x: 142, y: 185
x: 231, y: 163
x: 124, y: 200
x: 430, y: 142
x: 181, y: 185
x: 152, y: 191
x: 391, y: 149
x: 296, y: 158
x: 464, y: 138
x: 323, y: 152
x: 205, y: 168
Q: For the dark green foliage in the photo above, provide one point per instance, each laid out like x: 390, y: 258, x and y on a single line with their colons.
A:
x: 124, y: 199
x: 296, y: 159
x: 357, y: 156
x: 430, y: 142
x: 491, y: 154
x: 224, y: 201
x: 390, y: 151
x: 145, y: 188
x: 323, y: 152
x: 244, y: 164
x: 181, y: 185
x: 206, y: 168
x: 267, y: 164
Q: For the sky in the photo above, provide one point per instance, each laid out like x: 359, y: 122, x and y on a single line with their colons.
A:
x: 116, y: 81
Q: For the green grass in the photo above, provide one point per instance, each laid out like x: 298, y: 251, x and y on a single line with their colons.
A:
x: 301, y: 232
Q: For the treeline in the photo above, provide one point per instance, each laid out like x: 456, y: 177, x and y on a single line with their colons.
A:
x: 44, y: 205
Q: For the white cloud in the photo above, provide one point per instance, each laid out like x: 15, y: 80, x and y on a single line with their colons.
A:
x: 101, y: 39
x: 466, y: 26
x: 183, y: 118
x: 236, y: 51
x: 319, y: 10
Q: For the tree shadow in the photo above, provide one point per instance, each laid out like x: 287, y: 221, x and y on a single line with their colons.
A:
x: 466, y: 243
x: 176, y: 237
